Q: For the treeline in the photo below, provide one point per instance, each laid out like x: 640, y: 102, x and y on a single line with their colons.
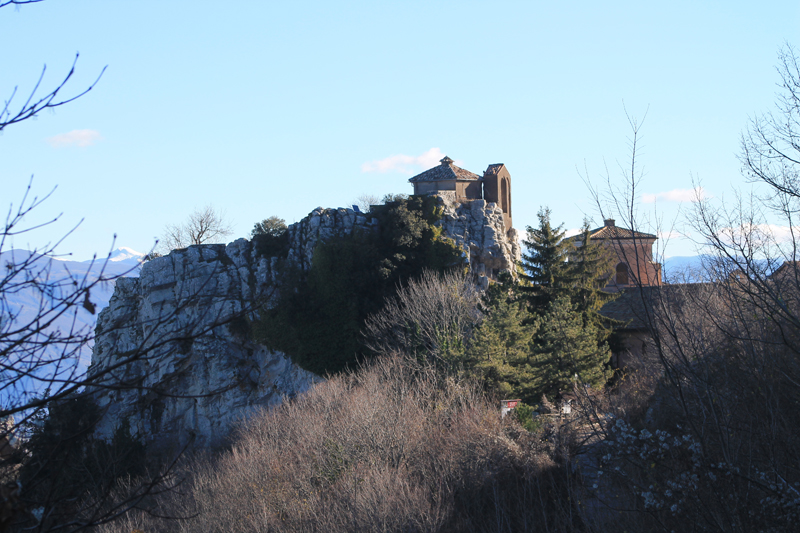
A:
x: 535, y: 332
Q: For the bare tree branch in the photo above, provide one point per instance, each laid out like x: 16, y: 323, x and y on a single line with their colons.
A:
x: 33, y: 105
x: 204, y: 226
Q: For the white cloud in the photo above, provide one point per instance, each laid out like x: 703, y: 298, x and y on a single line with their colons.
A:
x: 781, y: 234
x: 757, y: 235
x: 771, y: 232
x: 405, y: 164
x: 80, y: 138
x: 672, y: 235
x: 675, y: 195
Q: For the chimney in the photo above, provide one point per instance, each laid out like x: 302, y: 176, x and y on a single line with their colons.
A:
x: 609, y: 222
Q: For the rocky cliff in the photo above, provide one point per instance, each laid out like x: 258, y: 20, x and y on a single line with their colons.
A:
x: 201, y: 371
x: 477, y: 227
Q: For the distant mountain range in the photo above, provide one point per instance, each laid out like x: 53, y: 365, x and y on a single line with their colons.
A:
x: 698, y: 268
x: 683, y: 268
x: 25, y: 301
x: 120, y: 262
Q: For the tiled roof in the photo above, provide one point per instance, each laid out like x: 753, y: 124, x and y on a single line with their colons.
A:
x: 494, y: 169
x: 788, y: 267
x: 635, y: 307
x: 445, y: 171
x: 611, y: 231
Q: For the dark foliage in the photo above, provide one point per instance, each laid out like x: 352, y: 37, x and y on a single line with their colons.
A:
x: 544, y: 263
x: 319, y: 316
x: 269, y: 245
x: 67, y: 466
x: 270, y: 237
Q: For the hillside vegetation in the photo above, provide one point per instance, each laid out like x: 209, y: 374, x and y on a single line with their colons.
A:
x: 696, y: 432
x: 320, y: 314
x: 394, y: 447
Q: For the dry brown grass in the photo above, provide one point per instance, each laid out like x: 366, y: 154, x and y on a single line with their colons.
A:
x: 395, y: 447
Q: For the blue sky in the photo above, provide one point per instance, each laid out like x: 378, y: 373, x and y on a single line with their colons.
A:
x: 275, y: 108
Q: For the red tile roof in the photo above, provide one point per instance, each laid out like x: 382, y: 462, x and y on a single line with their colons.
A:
x: 611, y: 231
x: 444, y: 172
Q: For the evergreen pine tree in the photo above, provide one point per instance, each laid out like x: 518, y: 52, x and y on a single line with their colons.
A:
x: 590, y: 263
x: 565, y: 349
x: 500, y: 348
x: 544, y: 262
x: 542, y: 335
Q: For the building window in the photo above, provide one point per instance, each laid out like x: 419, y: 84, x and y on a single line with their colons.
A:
x: 622, y: 274
x: 504, y: 196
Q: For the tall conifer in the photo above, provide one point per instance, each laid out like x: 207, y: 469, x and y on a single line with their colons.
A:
x: 590, y: 263
x: 565, y: 350
x: 545, y: 263
x: 500, y: 349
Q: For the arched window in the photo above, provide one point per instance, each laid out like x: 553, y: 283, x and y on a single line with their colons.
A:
x: 622, y: 274
x: 504, y: 196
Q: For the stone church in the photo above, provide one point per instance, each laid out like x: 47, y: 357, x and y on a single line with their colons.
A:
x: 631, y: 254
x: 461, y: 185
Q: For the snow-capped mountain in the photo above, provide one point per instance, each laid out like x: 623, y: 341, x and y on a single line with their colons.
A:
x: 125, y: 255
x: 121, y: 262
x: 682, y: 269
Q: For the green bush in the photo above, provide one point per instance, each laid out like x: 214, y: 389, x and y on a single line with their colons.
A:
x: 525, y: 416
x: 270, y: 237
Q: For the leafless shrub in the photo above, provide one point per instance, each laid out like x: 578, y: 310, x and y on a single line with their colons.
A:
x: 432, y: 317
x: 396, y: 447
x: 366, y: 201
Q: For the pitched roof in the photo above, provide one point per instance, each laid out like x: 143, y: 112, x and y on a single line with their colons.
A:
x: 636, y: 307
x: 494, y: 169
x: 612, y: 231
x: 628, y: 308
x: 445, y: 171
x: 788, y: 267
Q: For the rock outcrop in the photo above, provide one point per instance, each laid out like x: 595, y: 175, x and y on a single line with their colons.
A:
x: 477, y: 227
x: 202, y: 371
x: 320, y: 225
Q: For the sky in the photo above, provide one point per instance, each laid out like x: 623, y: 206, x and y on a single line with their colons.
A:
x: 274, y: 108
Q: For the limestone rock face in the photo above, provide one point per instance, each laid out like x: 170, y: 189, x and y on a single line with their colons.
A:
x: 201, y: 371
x: 320, y: 225
x: 477, y: 226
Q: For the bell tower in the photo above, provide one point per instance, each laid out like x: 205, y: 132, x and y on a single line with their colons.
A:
x: 497, y: 189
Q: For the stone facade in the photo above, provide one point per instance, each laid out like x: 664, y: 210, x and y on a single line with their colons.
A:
x: 464, y: 186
